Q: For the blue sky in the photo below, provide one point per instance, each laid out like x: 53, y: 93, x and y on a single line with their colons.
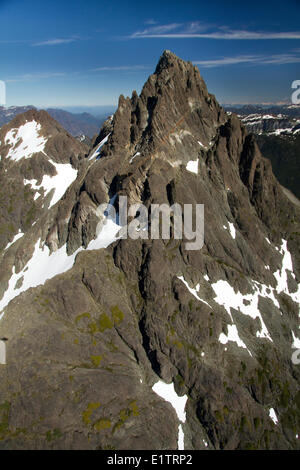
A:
x: 64, y: 53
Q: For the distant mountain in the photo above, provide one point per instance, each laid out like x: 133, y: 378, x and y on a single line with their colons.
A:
x: 78, y: 124
x: 275, y: 120
x: 277, y: 130
x: 284, y: 153
x: 7, y: 114
x: 38, y: 161
x: 75, y: 124
x: 103, y: 110
x: 291, y: 110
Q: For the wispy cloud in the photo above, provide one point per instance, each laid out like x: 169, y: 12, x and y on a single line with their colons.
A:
x: 170, y: 29
x: 55, y: 42
x: 277, y: 59
x: 194, y: 30
x: 157, y: 30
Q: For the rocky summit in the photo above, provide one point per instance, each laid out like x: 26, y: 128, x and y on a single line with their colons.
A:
x: 115, y: 343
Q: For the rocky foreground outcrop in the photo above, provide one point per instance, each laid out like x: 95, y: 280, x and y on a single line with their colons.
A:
x: 85, y: 347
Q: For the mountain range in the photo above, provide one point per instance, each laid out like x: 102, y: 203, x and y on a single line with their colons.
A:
x: 76, y: 124
x: 141, y: 343
x: 277, y: 131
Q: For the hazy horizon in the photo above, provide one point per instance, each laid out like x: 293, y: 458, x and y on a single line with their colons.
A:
x: 87, y: 55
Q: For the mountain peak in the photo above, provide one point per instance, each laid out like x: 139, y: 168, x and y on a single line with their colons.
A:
x: 218, y: 323
x: 173, y: 100
x: 167, y: 59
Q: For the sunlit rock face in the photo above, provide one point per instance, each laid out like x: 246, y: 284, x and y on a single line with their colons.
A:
x: 106, y: 335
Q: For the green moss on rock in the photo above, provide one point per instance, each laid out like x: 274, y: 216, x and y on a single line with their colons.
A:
x: 96, y: 360
x: 86, y: 415
x: 102, y: 424
x: 105, y: 322
x: 51, y: 435
x: 125, y: 414
x: 4, y: 418
x: 117, y: 314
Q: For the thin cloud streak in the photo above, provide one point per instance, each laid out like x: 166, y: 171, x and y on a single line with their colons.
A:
x: 55, y: 42
x: 198, y: 30
x: 160, y: 29
x: 279, y: 59
x: 234, y: 35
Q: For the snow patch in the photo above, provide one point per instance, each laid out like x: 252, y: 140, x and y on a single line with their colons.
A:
x: 135, y: 155
x: 226, y: 296
x: 193, y: 291
x: 16, y: 237
x: 96, y: 153
x: 40, y: 267
x: 281, y: 275
x: 232, y: 230
x: 180, y: 438
x: 43, y: 265
x: 106, y: 237
x: 296, y: 341
x: 202, y: 145
x: 25, y: 141
x: 233, y: 335
x: 168, y: 393
x: 192, y: 166
x: 65, y: 175
x: 273, y: 416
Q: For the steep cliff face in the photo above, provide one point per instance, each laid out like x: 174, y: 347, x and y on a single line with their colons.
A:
x: 108, y: 318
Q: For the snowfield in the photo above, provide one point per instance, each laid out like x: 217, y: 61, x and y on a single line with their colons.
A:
x: 65, y: 175
x: 192, y: 166
x: 96, y: 153
x: 43, y: 265
x: 247, y: 304
x: 25, y: 141
x: 195, y: 291
x: 16, y: 237
x: 168, y: 393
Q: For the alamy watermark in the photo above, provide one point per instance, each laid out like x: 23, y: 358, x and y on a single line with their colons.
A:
x: 3, y: 351
x: 157, y: 221
x: 296, y: 357
x: 296, y: 93
x: 2, y: 93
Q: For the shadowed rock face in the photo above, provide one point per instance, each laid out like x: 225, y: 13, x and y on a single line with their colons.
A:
x: 85, y: 348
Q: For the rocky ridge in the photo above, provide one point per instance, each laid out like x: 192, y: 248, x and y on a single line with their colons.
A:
x: 75, y: 123
x: 87, y: 345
